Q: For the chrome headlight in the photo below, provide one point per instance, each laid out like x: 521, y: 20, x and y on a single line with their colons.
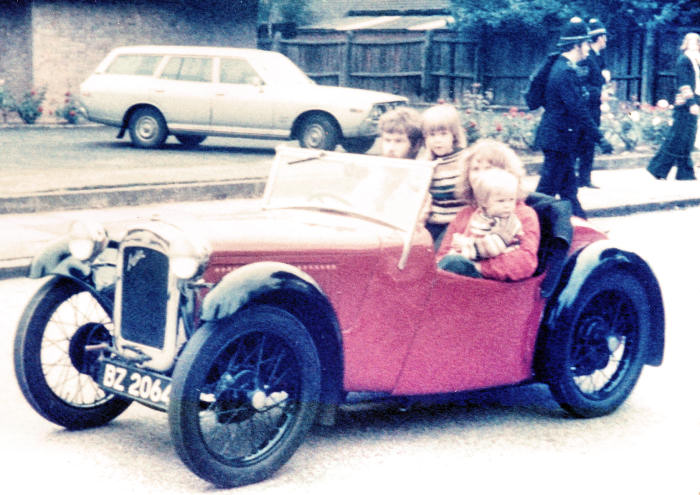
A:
x: 376, y: 112
x: 188, y: 257
x: 86, y: 239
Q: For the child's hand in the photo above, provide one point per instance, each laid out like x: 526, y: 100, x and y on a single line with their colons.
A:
x: 508, y: 228
x: 463, y: 245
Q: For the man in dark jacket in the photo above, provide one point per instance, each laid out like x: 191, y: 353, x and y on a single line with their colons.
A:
x: 566, y: 118
x: 594, y: 74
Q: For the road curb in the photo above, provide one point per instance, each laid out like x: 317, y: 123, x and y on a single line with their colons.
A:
x: 132, y: 195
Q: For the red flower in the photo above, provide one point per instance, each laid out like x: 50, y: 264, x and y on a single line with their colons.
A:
x: 472, y: 124
x: 40, y: 109
x: 32, y: 93
x: 499, y: 127
x: 72, y: 113
x: 67, y: 94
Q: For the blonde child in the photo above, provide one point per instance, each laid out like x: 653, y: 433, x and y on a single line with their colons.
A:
x: 496, y: 235
x: 445, y: 141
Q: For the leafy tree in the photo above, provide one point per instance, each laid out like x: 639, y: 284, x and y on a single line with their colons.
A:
x: 532, y: 15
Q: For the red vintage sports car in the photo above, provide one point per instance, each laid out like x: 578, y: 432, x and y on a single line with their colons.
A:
x: 247, y: 328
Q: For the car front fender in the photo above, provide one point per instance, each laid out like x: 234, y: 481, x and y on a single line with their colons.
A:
x: 289, y: 288
x: 56, y: 259
x: 589, y: 263
x: 253, y: 281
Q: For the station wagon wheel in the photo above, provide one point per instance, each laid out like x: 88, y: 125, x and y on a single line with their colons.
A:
x: 318, y: 132
x: 190, y: 140
x: 147, y: 128
x: 53, y: 369
x: 596, y: 361
x: 359, y: 145
x: 245, y: 393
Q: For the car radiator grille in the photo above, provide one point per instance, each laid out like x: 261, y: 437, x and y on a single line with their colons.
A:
x: 144, y: 296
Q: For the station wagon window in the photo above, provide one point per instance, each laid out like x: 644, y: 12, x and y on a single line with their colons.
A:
x: 237, y: 71
x: 188, y: 69
x: 134, y: 65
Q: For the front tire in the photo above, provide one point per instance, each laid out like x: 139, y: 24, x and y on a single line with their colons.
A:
x: 245, y: 393
x: 147, y: 128
x: 52, y: 367
x: 594, y: 363
x: 318, y: 132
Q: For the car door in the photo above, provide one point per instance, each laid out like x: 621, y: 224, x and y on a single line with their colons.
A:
x: 183, y: 91
x: 240, y: 101
x: 476, y: 333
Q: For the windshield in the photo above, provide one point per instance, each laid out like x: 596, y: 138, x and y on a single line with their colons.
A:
x: 387, y: 190
x: 278, y: 69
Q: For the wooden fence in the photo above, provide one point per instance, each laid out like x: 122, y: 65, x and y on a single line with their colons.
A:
x: 426, y: 66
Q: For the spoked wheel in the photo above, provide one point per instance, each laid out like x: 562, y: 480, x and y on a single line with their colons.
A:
x: 53, y: 368
x: 597, y: 361
x: 244, y: 395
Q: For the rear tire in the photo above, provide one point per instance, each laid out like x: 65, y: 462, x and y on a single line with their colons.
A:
x: 245, y: 392
x: 147, y: 128
x: 594, y: 363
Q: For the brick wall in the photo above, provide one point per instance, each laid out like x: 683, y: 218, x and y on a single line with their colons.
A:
x: 15, y: 45
x: 70, y: 37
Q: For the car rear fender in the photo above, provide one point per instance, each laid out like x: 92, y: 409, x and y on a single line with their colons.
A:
x: 291, y: 289
x: 586, y: 266
x: 129, y: 113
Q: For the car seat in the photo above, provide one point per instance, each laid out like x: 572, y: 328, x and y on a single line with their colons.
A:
x: 556, y: 233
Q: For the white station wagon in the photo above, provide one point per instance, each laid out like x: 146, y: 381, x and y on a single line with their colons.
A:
x: 194, y: 92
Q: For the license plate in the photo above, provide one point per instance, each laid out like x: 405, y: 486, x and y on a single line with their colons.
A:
x: 135, y: 383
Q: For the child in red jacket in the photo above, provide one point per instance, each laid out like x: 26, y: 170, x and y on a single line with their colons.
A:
x: 498, y: 235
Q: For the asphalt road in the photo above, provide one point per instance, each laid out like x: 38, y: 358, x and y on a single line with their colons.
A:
x: 509, y: 441
x: 47, y: 159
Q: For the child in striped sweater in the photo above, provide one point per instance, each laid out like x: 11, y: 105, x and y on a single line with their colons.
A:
x: 445, y: 141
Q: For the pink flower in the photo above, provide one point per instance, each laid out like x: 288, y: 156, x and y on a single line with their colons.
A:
x: 40, y: 109
x: 499, y: 127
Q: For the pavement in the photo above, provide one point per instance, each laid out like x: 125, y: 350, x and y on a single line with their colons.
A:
x: 29, y: 219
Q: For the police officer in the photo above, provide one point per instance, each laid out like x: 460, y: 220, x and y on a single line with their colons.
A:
x: 566, y: 118
x: 595, y: 75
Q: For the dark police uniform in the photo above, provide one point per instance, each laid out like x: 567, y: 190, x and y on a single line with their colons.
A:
x: 593, y: 82
x: 566, y: 119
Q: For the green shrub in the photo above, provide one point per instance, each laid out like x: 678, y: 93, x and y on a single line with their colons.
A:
x: 70, y: 111
x: 29, y: 108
